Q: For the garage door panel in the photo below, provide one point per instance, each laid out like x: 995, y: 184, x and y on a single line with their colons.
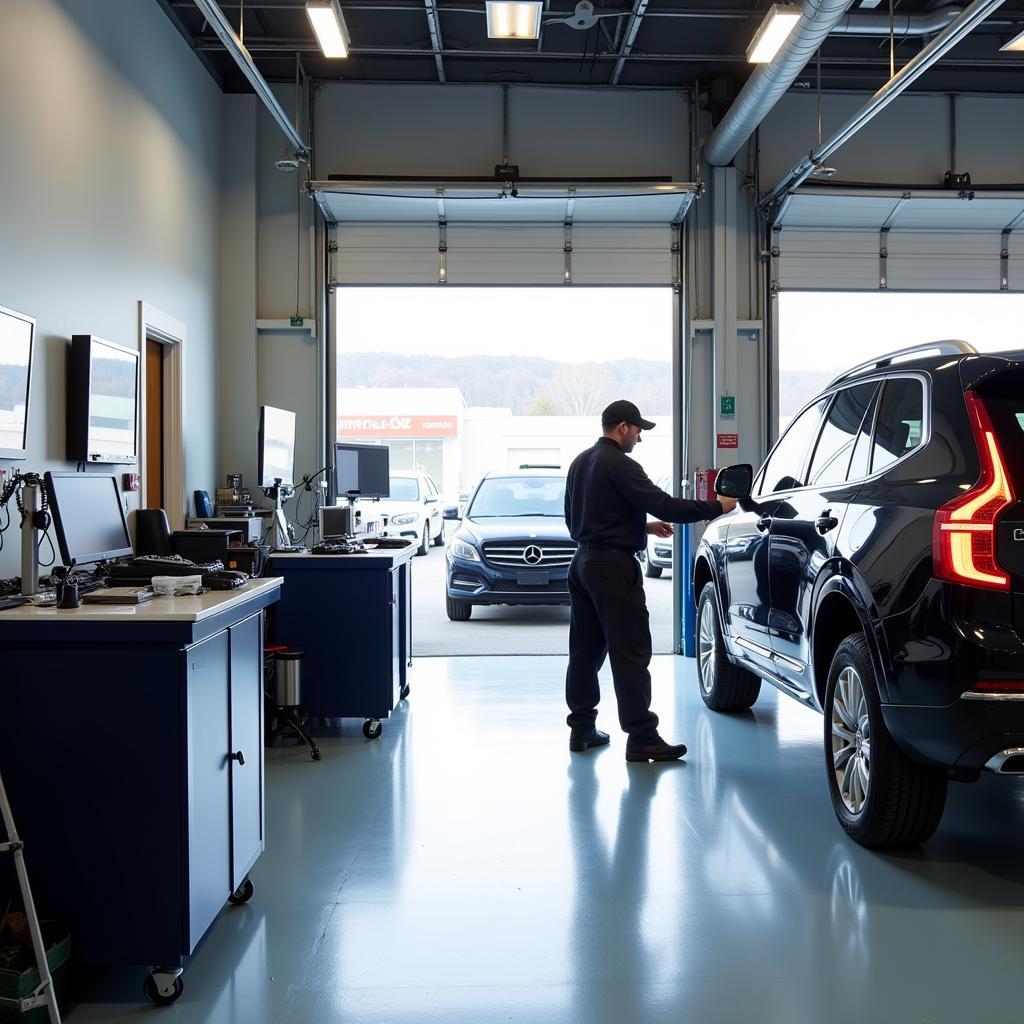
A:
x: 935, y: 241
x: 509, y: 254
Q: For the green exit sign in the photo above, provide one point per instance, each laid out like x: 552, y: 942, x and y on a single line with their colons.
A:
x: 728, y: 405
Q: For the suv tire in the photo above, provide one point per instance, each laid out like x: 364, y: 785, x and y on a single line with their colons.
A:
x: 723, y: 685
x: 881, y: 797
x: 651, y: 571
x: 439, y: 539
x: 424, y: 545
x: 458, y: 611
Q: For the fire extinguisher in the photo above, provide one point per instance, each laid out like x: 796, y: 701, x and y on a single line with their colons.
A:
x: 704, y: 484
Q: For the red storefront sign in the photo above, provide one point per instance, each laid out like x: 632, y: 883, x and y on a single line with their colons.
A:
x: 728, y: 441
x: 369, y: 425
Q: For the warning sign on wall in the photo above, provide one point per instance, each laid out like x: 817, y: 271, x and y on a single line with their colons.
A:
x: 728, y: 441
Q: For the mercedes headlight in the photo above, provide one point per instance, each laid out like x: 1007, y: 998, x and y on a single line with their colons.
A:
x: 460, y: 549
x: 404, y: 520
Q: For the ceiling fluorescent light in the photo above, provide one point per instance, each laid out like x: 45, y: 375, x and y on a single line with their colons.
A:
x: 329, y: 25
x: 1015, y: 45
x: 506, y: 20
x: 780, y: 20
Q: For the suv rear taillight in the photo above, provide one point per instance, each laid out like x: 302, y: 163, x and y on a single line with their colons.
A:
x: 963, y: 539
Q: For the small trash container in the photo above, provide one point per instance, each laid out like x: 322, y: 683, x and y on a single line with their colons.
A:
x: 288, y: 677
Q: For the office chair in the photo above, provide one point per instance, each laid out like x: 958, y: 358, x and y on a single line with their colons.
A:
x: 153, y: 532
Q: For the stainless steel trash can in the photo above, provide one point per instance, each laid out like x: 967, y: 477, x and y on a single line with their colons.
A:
x: 288, y: 678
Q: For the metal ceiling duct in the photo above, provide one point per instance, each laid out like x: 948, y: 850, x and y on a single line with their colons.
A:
x: 767, y: 83
x: 903, y: 25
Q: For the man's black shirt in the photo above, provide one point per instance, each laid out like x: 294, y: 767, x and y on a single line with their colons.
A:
x: 608, y: 497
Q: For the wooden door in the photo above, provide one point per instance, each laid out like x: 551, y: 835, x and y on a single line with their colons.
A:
x: 154, y: 497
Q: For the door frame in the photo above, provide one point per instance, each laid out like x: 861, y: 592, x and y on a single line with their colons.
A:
x: 156, y: 325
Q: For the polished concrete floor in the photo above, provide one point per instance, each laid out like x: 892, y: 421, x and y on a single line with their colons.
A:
x: 466, y: 868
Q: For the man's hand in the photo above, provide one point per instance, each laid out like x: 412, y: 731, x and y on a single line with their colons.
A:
x: 659, y: 529
x: 728, y: 504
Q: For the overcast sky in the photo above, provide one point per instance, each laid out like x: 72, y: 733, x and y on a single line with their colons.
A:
x: 568, y: 324
x: 836, y: 330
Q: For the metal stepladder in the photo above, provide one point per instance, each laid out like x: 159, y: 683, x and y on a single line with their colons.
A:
x: 43, y: 994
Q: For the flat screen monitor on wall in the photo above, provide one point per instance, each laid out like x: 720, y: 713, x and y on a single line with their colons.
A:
x: 277, y: 447
x: 17, y: 333
x: 103, y: 389
x: 362, y: 470
x: 87, y: 517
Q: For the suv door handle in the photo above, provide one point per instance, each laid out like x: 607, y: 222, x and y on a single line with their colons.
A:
x: 825, y: 522
x: 764, y: 522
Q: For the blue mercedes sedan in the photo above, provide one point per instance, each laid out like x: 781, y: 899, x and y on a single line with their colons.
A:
x: 512, y: 545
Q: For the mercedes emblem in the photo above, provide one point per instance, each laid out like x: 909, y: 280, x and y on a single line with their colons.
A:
x: 532, y: 555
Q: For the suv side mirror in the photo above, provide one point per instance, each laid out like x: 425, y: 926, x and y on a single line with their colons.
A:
x: 451, y: 512
x: 735, y: 481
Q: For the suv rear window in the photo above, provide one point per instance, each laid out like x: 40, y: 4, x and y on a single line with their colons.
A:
x: 832, y: 455
x: 900, y: 422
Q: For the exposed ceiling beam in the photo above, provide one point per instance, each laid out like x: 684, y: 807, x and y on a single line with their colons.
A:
x: 639, y: 10
x: 434, y: 26
x: 288, y: 47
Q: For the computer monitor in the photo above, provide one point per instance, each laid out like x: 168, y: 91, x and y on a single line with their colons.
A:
x: 87, y: 517
x: 16, y: 335
x: 362, y: 470
x: 277, y: 446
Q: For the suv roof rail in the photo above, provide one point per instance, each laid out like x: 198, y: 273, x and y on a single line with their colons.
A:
x: 940, y: 348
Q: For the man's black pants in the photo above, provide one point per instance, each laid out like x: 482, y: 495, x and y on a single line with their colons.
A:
x: 609, y: 618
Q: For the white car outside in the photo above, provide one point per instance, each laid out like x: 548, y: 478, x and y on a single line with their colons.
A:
x: 413, y: 510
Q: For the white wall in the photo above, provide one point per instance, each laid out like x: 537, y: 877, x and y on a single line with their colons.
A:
x: 109, y: 168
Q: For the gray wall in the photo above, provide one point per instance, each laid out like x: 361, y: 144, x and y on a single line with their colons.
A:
x: 908, y: 143
x: 109, y: 191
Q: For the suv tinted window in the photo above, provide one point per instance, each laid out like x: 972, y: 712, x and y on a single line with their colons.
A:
x: 832, y: 454
x: 899, y: 423
x: 785, y: 465
x: 862, y: 449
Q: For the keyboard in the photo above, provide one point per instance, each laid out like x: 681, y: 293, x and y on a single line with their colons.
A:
x: 12, y: 602
x: 147, y: 566
x: 392, y: 542
x: 339, y: 547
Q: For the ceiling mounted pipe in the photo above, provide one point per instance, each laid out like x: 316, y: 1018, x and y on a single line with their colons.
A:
x: 768, y: 82
x: 968, y: 20
x: 903, y: 25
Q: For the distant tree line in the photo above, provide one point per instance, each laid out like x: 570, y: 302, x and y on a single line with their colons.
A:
x: 528, y: 386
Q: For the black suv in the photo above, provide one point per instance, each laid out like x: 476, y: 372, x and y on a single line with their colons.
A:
x: 874, y: 570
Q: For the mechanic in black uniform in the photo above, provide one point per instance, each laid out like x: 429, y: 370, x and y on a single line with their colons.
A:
x: 607, y: 499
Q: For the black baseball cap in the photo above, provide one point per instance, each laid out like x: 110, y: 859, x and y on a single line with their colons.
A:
x: 624, y: 412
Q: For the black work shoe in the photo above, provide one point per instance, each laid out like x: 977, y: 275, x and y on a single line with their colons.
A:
x: 653, y: 749
x: 584, y: 740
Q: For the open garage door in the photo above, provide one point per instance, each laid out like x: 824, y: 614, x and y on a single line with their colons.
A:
x: 838, y: 239
x: 475, y: 233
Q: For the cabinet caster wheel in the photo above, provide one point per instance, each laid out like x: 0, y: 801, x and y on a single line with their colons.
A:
x: 242, y: 894
x: 372, y: 728
x: 405, y: 691
x: 165, y: 991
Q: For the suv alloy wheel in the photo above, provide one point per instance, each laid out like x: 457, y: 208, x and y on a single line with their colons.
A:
x: 881, y: 797
x: 424, y: 546
x: 723, y: 685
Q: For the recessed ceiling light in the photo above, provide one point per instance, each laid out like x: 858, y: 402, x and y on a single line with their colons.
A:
x: 514, y: 20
